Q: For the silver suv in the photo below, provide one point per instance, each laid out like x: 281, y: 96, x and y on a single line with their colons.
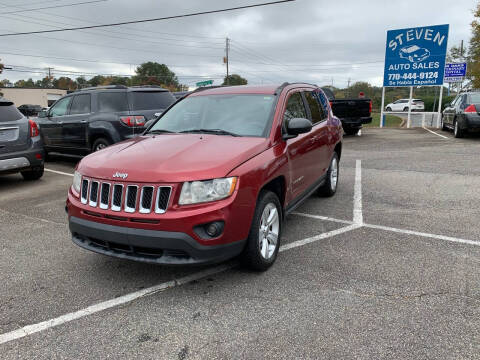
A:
x: 21, y: 148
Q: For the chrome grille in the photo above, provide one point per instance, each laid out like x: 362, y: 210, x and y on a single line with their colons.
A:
x: 129, y: 197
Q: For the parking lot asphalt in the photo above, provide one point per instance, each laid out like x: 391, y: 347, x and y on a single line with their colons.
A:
x: 402, y: 283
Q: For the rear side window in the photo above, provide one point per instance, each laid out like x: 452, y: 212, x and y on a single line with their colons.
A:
x: 294, y: 109
x: 60, y: 108
x: 9, y: 113
x: 474, y: 98
x: 80, y: 104
x: 112, y: 102
x: 314, y: 105
x: 151, y: 100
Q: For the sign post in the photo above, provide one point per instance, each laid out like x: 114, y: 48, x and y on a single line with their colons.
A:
x: 415, y: 57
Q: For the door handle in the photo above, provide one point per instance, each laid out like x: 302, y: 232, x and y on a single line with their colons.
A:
x: 83, y: 121
x: 60, y: 122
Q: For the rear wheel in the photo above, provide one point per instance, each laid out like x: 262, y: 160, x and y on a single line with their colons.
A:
x: 329, y: 188
x: 100, y: 143
x: 457, y: 131
x: 33, y: 174
x: 264, y: 238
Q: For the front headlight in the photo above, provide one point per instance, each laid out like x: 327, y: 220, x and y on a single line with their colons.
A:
x: 210, y: 190
x: 77, y: 180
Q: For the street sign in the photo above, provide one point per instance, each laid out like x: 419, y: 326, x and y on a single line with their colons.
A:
x: 204, y: 83
x: 455, y: 72
x: 415, y: 56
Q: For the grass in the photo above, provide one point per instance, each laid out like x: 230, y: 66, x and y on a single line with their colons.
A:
x: 390, y: 121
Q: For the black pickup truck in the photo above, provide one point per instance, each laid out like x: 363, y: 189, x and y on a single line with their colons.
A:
x: 353, y: 113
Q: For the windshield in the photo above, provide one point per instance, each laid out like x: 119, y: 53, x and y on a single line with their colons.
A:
x: 151, y: 100
x: 244, y: 115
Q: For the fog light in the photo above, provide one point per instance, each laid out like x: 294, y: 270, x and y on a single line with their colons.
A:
x: 214, y: 229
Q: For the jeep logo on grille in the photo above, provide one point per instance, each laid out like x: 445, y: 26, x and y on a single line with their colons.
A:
x: 120, y: 175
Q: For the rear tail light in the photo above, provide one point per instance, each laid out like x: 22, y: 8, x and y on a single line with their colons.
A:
x: 34, y: 132
x: 370, y: 107
x: 471, y: 109
x: 133, y: 121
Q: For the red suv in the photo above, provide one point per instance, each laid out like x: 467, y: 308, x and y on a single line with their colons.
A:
x: 211, y: 179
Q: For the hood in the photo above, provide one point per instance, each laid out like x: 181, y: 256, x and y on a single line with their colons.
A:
x: 172, y: 157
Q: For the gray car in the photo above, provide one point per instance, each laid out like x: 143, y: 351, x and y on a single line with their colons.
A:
x: 21, y: 148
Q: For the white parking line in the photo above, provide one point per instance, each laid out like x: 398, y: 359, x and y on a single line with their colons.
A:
x: 44, y: 325
x: 357, y: 195
x: 319, y: 217
x: 433, y: 132
x: 58, y: 172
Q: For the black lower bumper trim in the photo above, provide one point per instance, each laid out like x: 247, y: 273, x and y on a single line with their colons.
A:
x: 150, y: 246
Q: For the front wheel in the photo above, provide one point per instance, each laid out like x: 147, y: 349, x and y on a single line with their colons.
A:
x: 329, y: 188
x: 264, y: 238
x: 405, y: 109
x: 442, y: 126
x: 389, y: 108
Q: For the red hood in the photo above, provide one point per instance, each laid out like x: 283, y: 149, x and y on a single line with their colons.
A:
x: 172, y: 158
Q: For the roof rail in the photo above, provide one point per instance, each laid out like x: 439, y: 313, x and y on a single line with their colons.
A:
x: 104, y: 87
x: 148, y: 86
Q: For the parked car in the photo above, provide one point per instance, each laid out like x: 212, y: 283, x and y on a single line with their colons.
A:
x: 30, y: 110
x: 21, y: 148
x: 93, y: 118
x: 353, y: 113
x: 401, y: 105
x: 211, y: 179
x: 462, y: 114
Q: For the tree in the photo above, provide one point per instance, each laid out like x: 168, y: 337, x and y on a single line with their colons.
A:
x: 234, y: 79
x: 1, y: 67
x: 82, y: 82
x: 65, y: 83
x: 474, y: 51
x: 153, y: 73
x: 6, y: 83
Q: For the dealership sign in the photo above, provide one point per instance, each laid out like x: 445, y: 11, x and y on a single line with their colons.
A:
x: 455, y: 72
x: 416, y: 56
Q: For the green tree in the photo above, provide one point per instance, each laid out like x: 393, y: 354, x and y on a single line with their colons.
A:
x: 153, y: 73
x: 81, y: 82
x: 97, y: 80
x: 474, y: 51
x: 234, y: 79
x: 5, y: 83
x: 65, y: 83
x: 1, y: 67
x: 19, y: 84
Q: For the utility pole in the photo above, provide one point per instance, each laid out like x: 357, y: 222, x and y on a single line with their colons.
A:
x: 348, y: 87
x: 461, y: 54
x: 49, y: 69
x: 227, y: 48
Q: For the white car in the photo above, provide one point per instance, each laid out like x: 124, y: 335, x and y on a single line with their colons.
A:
x: 402, y: 105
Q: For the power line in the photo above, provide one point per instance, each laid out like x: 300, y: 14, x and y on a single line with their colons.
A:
x: 148, y: 20
x: 53, y: 7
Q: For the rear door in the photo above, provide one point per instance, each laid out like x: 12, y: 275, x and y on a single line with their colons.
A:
x: 319, y: 154
x: 52, y: 126
x: 14, y: 129
x: 298, y: 148
x: 75, y: 123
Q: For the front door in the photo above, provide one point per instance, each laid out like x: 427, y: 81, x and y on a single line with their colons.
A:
x: 52, y: 126
x: 75, y: 124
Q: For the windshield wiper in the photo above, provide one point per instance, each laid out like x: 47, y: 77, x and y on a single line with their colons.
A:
x: 161, y: 131
x: 211, y: 131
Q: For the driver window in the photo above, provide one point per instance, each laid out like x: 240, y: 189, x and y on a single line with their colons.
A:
x: 294, y: 109
x: 61, y: 107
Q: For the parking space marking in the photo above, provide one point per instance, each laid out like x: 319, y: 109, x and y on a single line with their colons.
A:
x: 59, y: 172
x: 320, y: 217
x: 32, y: 217
x: 45, y: 325
x: 357, y: 194
x: 433, y: 132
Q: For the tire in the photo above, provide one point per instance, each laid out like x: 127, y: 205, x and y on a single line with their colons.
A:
x: 329, y: 188
x: 262, y: 248
x: 100, y: 143
x: 457, y: 131
x: 405, y: 109
x: 33, y: 174
x: 351, y: 131
x: 388, y: 108
x: 442, y: 126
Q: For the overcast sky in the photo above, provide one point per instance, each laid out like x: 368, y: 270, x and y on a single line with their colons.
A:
x: 307, y: 40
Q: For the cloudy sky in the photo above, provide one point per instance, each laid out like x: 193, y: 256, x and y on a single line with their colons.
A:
x: 306, y: 40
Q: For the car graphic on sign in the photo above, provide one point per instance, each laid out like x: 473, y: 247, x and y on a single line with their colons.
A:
x: 414, y: 53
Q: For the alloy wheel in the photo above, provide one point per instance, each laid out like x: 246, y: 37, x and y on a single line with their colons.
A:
x: 269, y: 230
x: 334, y: 174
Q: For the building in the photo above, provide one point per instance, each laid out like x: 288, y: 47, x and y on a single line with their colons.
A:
x: 33, y: 96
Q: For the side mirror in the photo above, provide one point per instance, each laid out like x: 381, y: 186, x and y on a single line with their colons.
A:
x: 42, y: 114
x: 297, y: 126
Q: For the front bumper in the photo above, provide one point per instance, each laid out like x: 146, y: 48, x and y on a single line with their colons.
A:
x: 150, y: 246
